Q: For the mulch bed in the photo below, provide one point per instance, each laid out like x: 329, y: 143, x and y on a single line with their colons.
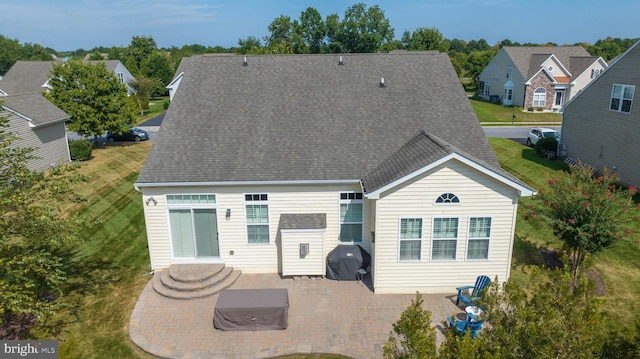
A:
x: 551, y: 259
x: 16, y: 326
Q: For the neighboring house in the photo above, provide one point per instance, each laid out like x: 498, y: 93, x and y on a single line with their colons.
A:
x: 40, y: 125
x: 539, y: 77
x: 267, y: 163
x: 601, y: 126
x: 30, y: 76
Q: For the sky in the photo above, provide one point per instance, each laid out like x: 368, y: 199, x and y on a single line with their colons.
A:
x: 66, y: 25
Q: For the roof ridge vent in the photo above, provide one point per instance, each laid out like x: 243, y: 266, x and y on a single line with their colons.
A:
x: 245, y: 62
x: 340, y: 62
x: 382, y: 82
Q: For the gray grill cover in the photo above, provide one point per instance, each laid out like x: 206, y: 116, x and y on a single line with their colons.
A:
x: 252, y: 309
x: 344, y: 261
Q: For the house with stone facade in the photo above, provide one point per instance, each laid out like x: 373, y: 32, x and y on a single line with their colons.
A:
x: 267, y: 163
x: 538, y: 77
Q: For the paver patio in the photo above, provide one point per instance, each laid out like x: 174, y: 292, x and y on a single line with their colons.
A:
x: 325, y: 316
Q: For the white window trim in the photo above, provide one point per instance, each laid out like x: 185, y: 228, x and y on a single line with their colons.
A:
x: 457, y: 239
x: 340, y: 223
x: 435, y: 203
x: 621, y: 98
x: 533, y: 99
x: 246, y: 224
x: 469, y: 239
x: 421, y: 239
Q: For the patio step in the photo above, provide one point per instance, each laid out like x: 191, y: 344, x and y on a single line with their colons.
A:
x: 190, y: 281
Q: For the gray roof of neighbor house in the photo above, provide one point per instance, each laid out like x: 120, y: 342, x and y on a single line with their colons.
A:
x: 308, y: 118
x: 26, y: 76
x: 529, y: 58
x: 34, y: 106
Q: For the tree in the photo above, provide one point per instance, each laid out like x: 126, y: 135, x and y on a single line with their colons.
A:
x: 143, y: 88
x: 417, y: 335
x: 249, y: 45
x: 36, y: 239
x: 141, y: 48
x: 476, y: 62
x: 423, y: 38
x: 586, y: 213
x: 312, y: 30
x: 93, y: 97
x: 159, y: 68
x: 557, y: 316
x: 9, y: 53
x: 281, y: 30
x: 362, y: 30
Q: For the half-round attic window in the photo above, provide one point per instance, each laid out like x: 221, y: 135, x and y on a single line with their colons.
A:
x: 447, y: 198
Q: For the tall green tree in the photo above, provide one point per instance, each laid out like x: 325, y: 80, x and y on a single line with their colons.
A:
x: 93, y: 97
x: 36, y: 239
x: 140, y: 48
x: 362, y: 30
x: 586, y: 213
x: 9, y: 53
x: 159, y: 68
x: 557, y: 316
x: 424, y: 38
x: 251, y: 44
x: 476, y: 62
x: 143, y: 88
x: 312, y: 30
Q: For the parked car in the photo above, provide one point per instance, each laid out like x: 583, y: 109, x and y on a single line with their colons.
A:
x: 134, y: 134
x: 537, y: 133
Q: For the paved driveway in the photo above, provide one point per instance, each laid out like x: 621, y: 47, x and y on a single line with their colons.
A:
x: 325, y: 316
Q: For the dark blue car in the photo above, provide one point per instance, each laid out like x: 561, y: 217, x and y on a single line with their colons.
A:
x: 134, y: 134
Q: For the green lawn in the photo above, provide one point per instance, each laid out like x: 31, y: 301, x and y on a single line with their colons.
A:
x: 101, y: 294
x: 500, y: 115
x: 156, y: 107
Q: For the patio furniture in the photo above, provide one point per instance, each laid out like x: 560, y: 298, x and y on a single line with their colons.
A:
x: 252, y: 309
x: 481, y: 282
x: 471, y: 325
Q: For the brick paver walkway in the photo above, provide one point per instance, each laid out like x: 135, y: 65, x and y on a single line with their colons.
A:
x: 325, y: 316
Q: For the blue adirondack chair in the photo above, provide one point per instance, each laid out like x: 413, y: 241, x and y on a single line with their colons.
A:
x: 471, y: 325
x: 481, y: 282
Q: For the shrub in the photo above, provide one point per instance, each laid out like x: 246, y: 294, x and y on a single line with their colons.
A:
x: 539, y: 108
x: 546, y: 144
x: 412, y: 336
x: 80, y: 150
x: 165, y: 104
x: 530, y: 109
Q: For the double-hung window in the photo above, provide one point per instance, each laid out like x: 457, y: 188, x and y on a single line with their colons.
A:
x: 257, y: 210
x: 621, y: 98
x: 478, y: 239
x: 351, y: 214
x: 410, y: 239
x: 444, y: 238
x: 539, y: 97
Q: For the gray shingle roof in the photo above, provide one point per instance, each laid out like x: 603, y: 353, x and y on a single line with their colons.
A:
x: 34, y: 106
x: 26, y: 76
x: 303, y: 221
x: 522, y: 56
x: 304, y: 117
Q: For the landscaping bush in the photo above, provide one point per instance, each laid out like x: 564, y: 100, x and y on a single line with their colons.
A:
x: 540, y: 109
x: 530, y: 109
x: 165, y: 104
x: 80, y: 150
x: 546, y: 144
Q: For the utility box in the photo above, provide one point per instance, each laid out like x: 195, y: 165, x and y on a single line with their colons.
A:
x: 302, y: 239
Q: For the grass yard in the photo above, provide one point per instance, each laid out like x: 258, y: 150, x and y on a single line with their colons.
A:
x: 618, y: 265
x: 111, y: 263
x: 156, y: 107
x: 501, y: 115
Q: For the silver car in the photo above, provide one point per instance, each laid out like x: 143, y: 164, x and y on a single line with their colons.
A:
x: 537, y: 133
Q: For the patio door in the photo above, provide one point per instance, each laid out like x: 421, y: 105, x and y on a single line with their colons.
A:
x: 194, y: 233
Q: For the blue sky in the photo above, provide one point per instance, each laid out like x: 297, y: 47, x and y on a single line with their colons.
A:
x: 72, y: 24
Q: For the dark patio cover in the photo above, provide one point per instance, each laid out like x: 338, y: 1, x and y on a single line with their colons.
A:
x: 252, y: 309
x: 344, y: 261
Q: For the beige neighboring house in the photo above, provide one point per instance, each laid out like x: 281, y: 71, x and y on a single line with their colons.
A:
x: 539, y: 77
x: 40, y: 125
x: 601, y: 126
x: 279, y: 152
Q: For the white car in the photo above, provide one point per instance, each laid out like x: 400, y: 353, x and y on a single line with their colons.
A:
x: 537, y: 133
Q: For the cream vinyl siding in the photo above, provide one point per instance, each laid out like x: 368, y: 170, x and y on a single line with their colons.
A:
x: 602, y: 137
x: 232, y: 233
x: 49, y: 141
x: 480, y: 196
x: 313, y: 263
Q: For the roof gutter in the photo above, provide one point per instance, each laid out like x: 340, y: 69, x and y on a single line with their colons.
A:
x: 139, y: 185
